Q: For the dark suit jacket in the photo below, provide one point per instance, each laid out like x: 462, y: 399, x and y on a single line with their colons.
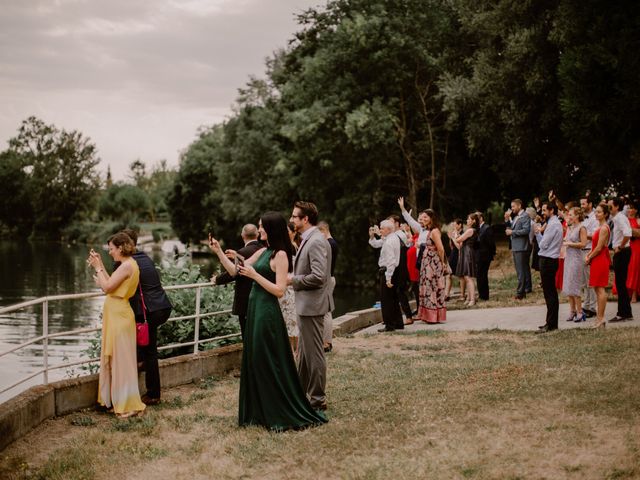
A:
x: 243, y: 284
x: 155, y: 297
x: 485, y: 244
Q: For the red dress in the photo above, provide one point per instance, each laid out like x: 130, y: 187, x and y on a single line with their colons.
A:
x: 412, y: 257
x: 599, y: 273
x: 633, y: 275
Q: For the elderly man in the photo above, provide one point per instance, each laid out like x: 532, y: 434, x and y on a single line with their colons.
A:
x: 388, y: 263
x: 251, y: 242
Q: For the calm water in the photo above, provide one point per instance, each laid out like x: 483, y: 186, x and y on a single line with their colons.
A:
x: 32, y: 270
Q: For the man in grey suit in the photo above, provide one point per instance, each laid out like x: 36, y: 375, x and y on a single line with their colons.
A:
x: 311, y: 280
x: 518, y: 230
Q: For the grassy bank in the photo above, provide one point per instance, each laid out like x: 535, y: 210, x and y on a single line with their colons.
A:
x: 434, y: 405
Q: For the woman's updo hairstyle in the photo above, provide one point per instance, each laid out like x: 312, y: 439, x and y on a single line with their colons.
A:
x: 123, y: 240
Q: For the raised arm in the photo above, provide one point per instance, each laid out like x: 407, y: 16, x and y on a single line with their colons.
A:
x: 109, y: 283
x: 412, y: 222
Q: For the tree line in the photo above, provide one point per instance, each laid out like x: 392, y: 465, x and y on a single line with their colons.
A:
x: 451, y: 103
x: 52, y: 188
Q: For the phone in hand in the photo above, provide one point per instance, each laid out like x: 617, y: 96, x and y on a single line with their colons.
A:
x: 238, y: 261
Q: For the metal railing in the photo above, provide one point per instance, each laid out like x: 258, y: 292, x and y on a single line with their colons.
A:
x: 46, y: 336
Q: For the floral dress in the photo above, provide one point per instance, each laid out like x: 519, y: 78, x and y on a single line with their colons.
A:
x: 432, y: 308
x: 288, y: 307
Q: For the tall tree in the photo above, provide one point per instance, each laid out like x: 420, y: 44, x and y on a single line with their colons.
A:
x: 61, y: 170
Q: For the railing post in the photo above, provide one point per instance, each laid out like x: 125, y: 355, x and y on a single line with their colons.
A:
x: 196, y: 333
x: 45, y: 341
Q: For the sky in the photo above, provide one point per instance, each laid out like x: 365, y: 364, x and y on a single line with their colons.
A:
x: 138, y: 77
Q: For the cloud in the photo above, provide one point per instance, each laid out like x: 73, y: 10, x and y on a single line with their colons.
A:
x: 83, y: 64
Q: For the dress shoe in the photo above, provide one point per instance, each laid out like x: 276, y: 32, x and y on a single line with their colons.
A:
x: 386, y: 329
x: 541, y: 327
x: 589, y: 313
x: 617, y: 319
x: 147, y: 400
x: 601, y: 324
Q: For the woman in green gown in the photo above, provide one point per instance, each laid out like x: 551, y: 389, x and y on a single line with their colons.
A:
x: 270, y: 390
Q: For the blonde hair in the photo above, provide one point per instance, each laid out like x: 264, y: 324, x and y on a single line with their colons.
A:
x: 578, y: 212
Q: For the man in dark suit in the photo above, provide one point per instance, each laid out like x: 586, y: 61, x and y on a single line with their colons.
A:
x: 158, y: 309
x: 485, y: 252
x: 243, y: 286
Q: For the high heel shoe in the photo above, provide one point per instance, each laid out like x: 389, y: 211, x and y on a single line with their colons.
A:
x: 580, y: 318
x: 601, y: 324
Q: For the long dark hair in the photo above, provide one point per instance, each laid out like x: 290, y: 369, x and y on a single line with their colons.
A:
x: 277, y: 235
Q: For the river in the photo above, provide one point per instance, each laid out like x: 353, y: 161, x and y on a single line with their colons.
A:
x: 29, y: 270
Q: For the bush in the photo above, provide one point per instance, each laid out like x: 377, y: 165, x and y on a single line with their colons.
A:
x: 183, y: 272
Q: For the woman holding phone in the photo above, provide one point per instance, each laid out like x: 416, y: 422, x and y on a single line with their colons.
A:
x: 270, y: 390
x: 118, y: 381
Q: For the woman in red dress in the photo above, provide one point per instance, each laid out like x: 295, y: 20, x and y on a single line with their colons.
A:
x: 600, y: 261
x: 633, y: 277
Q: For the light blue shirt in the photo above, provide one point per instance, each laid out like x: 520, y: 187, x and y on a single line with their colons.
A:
x: 551, y: 242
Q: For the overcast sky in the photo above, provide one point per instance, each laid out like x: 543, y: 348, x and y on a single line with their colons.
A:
x: 137, y: 77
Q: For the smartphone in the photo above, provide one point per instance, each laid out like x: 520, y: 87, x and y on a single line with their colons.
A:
x: 238, y: 261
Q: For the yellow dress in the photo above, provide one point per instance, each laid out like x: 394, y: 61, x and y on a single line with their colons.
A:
x: 118, y: 381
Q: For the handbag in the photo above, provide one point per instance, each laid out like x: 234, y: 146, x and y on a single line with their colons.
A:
x: 447, y: 269
x: 142, y: 329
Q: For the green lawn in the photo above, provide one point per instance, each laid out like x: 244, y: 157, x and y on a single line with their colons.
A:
x: 431, y: 405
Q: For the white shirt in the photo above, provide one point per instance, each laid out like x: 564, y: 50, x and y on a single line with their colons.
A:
x: 416, y: 227
x: 591, y: 224
x: 390, y: 255
x: 551, y: 242
x: 377, y: 242
x: 621, y: 229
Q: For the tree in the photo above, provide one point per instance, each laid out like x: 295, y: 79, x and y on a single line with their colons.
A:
x: 62, y: 180
x: 16, y: 212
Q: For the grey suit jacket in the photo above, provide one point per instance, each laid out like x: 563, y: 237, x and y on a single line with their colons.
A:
x: 521, y: 226
x: 312, y: 276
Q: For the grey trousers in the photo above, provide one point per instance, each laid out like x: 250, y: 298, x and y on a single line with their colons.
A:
x: 327, y: 335
x: 523, y: 270
x: 312, y: 365
x: 589, y: 301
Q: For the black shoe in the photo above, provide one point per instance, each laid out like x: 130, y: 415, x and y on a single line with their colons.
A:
x: 147, y: 400
x: 386, y: 329
x: 542, y: 327
x: 588, y: 313
x: 616, y: 319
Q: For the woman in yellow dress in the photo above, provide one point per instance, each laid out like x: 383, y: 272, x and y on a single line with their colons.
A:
x: 118, y: 381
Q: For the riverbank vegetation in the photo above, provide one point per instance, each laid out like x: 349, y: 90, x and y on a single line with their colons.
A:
x: 488, y: 404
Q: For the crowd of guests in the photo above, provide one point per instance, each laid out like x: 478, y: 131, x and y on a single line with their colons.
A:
x: 284, y: 282
x: 417, y: 256
x: 573, y: 245
x: 567, y: 243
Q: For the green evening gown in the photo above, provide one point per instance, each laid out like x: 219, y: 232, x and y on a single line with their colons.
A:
x: 270, y: 390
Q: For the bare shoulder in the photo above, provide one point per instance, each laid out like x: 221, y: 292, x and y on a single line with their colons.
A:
x: 281, y: 254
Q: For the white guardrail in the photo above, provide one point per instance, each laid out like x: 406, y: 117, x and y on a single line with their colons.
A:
x: 44, y: 338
